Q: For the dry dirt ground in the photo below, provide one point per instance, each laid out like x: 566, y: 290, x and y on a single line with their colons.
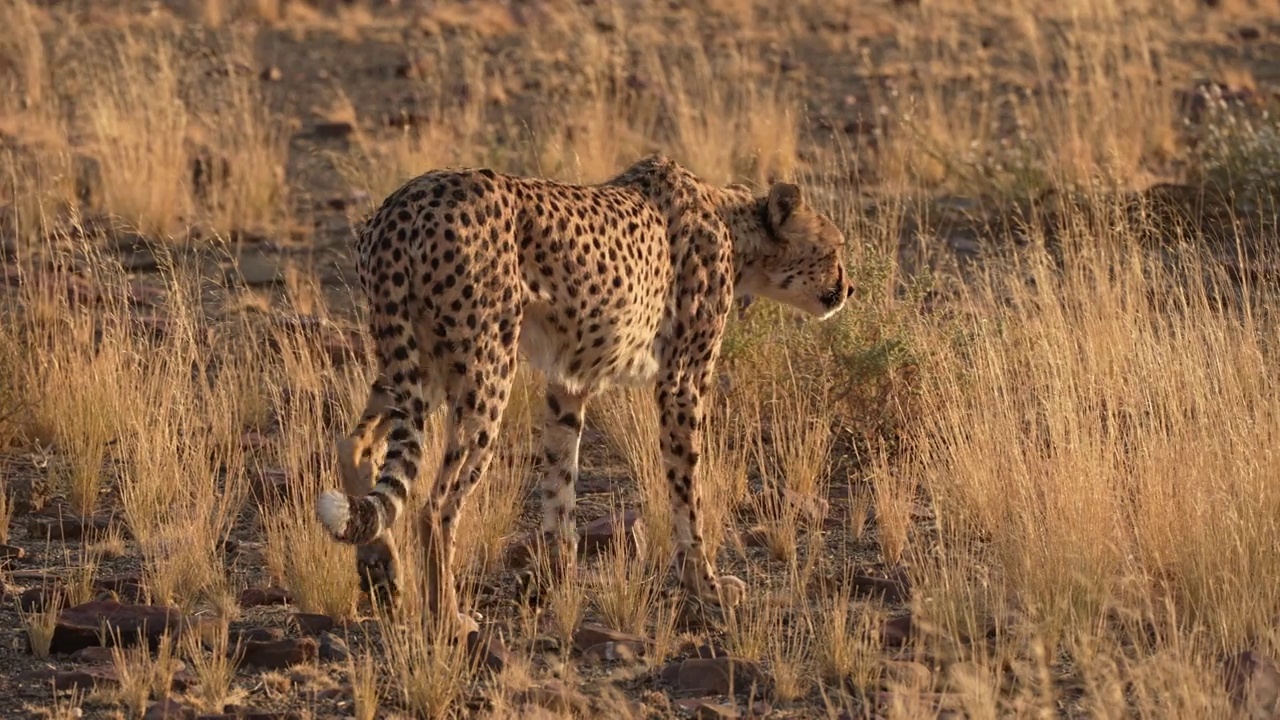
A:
x: 938, y: 131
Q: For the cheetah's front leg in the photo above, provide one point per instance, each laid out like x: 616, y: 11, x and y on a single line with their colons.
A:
x: 681, y: 419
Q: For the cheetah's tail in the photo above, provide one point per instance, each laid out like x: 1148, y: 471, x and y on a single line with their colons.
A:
x: 356, y: 520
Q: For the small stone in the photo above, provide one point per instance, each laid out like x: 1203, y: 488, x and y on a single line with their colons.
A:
x: 489, y: 649
x: 1249, y: 33
x: 757, y: 536
x: 169, y: 709
x: 591, y: 634
x: 612, y: 652
x: 556, y: 697
x: 271, y: 74
x: 94, y: 655
x: 37, y: 599
x: 907, y: 674
x: 259, y: 634
x: 706, y: 710
x: 896, y: 632
x: 703, y: 650
x: 333, y: 648
x: 68, y: 527
x: 280, y: 654
x: 79, y: 679
x: 892, y: 590
x: 258, y: 597
x: 334, y: 130
x: 126, y: 587
x: 712, y: 676
x: 600, y: 533
x: 313, y: 623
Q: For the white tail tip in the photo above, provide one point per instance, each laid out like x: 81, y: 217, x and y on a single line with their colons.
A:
x: 334, y: 511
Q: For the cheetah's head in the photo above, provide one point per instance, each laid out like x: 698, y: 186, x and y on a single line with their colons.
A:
x: 801, y: 257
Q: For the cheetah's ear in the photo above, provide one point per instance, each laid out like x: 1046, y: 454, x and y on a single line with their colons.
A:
x: 784, y: 199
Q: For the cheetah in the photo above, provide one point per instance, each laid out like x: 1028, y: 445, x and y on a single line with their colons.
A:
x: 628, y: 282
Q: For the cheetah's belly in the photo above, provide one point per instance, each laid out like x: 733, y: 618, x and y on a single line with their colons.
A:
x: 619, y: 353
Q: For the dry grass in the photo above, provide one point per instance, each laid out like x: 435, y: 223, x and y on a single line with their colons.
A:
x: 1064, y: 446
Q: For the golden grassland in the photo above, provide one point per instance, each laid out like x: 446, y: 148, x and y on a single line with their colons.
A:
x: 1061, y: 452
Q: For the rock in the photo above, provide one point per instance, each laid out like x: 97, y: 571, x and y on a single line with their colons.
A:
x: 94, y: 655
x: 598, y: 534
x: 703, y: 650
x: 279, y: 654
x: 39, y: 598
x: 313, y: 623
x: 1248, y: 33
x: 892, y: 590
x: 269, y: 486
x: 69, y: 527
x: 591, y: 634
x: 811, y: 508
x: 489, y: 649
x: 169, y: 709
x: 85, y: 679
x: 907, y: 674
x: 593, y: 485
x: 259, y: 634
x: 333, y: 648
x: 271, y: 73
x: 126, y: 587
x: 79, y: 626
x: 240, y: 712
x: 334, y: 129
x: 259, y: 597
x: 556, y: 697
x: 257, y: 268
x: 896, y: 632
x: 612, y: 652
x: 757, y: 536
x: 1253, y: 683
x: 712, y: 676
x: 706, y: 710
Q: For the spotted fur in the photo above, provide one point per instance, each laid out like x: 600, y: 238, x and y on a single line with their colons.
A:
x: 626, y: 282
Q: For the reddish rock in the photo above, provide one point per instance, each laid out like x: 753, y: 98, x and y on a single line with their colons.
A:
x: 313, y: 623
x: 897, y: 632
x: 600, y: 534
x: 67, y: 527
x: 489, y: 649
x: 94, y: 655
x: 279, y: 654
x: 712, y: 676
x: 127, y: 587
x: 258, y: 634
x: 85, y: 679
x: 37, y: 599
x: 259, y: 597
x: 591, y: 634
x: 79, y: 627
x: 612, y: 652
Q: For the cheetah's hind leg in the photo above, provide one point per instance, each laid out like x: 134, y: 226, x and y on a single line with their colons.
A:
x: 377, y: 562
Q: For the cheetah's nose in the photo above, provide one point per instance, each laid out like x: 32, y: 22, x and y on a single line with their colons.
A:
x: 848, y: 291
